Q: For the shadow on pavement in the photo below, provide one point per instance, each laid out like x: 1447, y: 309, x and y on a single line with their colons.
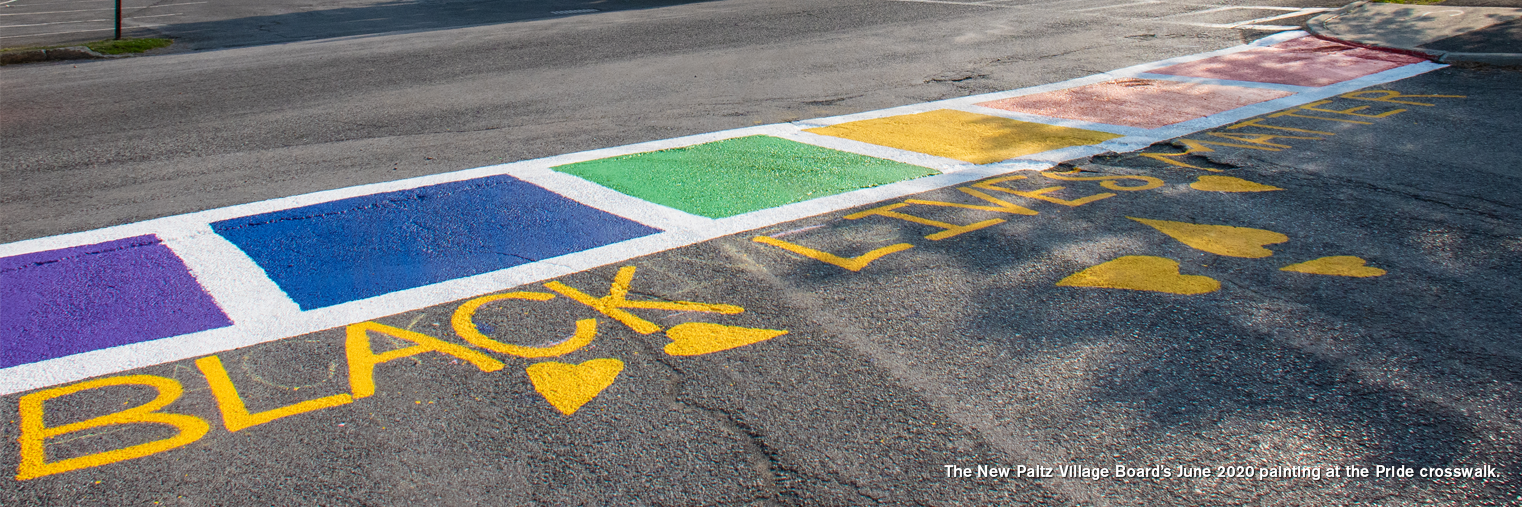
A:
x: 387, y: 17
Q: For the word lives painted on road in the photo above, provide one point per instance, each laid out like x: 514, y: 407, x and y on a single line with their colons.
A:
x: 1144, y: 272
x: 565, y: 386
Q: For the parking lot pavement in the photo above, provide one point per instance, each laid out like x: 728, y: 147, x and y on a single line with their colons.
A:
x: 26, y: 23
x: 215, y: 23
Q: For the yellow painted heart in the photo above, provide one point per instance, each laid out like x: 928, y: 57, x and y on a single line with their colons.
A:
x: 1229, y: 184
x: 698, y: 338
x: 1142, y: 272
x: 569, y: 386
x: 1340, y: 265
x: 1219, y: 239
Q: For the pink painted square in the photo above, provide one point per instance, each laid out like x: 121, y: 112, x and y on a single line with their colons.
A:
x: 1145, y: 103
x: 1306, y: 61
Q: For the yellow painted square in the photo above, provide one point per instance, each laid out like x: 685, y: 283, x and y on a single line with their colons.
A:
x: 972, y: 137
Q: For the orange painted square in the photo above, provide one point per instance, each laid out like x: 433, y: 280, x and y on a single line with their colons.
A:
x: 1145, y: 103
x: 1306, y: 61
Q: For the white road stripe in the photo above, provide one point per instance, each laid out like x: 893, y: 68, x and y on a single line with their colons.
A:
x: 944, y: 165
x: 58, y: 23
x: 1116, y: 6
x: 979, y: 4
x: 92, y: 10
x: 241, y: 288
x: 89, y: 21
x: 56, y: 33
x: 1060, y: 122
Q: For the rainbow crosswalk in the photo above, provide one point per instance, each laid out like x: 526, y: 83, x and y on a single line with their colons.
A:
x: 98, y: 302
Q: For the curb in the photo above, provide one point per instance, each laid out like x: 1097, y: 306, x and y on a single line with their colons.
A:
x: 55, y: 54
x: 1317, y: 27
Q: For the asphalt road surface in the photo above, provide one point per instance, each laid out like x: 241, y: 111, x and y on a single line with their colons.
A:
x: 105, y: 143
x: 1253, y: 313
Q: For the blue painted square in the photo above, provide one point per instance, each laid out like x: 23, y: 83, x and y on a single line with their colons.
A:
x: 361, y: 247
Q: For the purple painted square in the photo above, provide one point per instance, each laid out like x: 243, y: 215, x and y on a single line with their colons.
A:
x: 73, y: 300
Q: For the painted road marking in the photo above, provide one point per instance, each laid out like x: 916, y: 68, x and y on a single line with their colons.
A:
x: 89, y: 10
x: 1248, y: 24
x: 726, y: 178
x: 1133, y: 4
x: 57, y: 33
x: 1339, y: 265
x: 356, y: 248
x: 1229, y: 184
x: 1143, y: 103
x: 960, y: 135
x: 1144, y: 273
x: 565, y: 387
x: 1255, y: 23
x: 1228, y: 240
x: 86, y: 21
x: 1306, y: 61
x: 350, y: 301
x: 74, y: 300
x: 1258, y: 134
x: 568, y: 387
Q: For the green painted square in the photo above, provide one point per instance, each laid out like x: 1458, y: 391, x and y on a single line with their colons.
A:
x: 734, y: 176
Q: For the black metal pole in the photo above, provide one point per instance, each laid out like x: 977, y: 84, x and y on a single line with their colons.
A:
x: 118, y: 19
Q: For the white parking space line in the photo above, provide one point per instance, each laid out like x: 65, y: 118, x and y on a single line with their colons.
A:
x: 1301, y: 12
x: 56, y: 12
x: 56, y: 23
x: 93, y: 10
x: 82, y: 21
x: 56, y: 33
x: 980, y: 4
x: 1116, y: 6
x: 58, y: 2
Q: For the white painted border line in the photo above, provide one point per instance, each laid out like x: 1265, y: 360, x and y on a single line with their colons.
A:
x: 1231, y: 8
x: 240, y: 287
x: 1055, y: 121
x: 942, y: 164
x: 1134, y: 4
x: 252, y: 332
x: 1297, y: 12
x: 975, y: 4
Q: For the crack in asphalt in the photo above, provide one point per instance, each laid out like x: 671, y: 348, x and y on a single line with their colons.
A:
x: 80, y: 256
x: 943, y: 394
x: 763, y: 456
